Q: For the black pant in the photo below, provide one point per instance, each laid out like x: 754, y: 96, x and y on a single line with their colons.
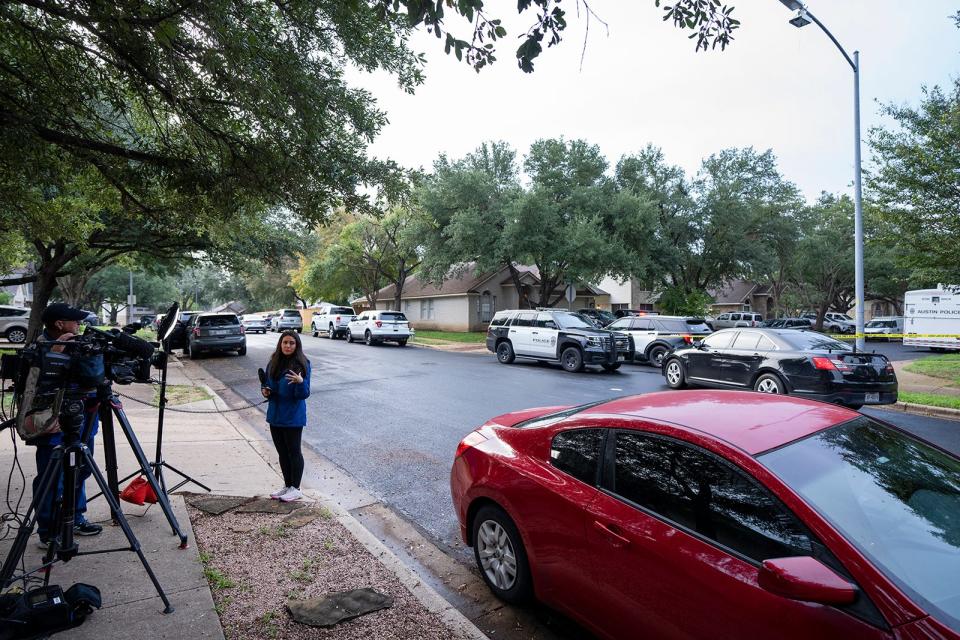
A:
x: 287, y: 442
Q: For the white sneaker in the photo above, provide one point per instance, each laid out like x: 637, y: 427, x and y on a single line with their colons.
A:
x: 292, y: 495
x: 279, y: 492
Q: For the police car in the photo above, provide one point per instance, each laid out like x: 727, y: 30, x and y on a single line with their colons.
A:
x: 556, y: 335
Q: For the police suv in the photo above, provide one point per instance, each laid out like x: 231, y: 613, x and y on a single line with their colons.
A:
x: 556, y: 335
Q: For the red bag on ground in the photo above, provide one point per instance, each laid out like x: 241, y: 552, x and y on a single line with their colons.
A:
x: 138, y: 492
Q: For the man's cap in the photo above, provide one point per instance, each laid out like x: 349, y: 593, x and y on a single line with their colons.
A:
x: 61, y: 311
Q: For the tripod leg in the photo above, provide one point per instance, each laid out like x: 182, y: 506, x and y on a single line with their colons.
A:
x: 48, y: 484
x: 158, y: 490
x: 185, y: 477
x: 127, y: 531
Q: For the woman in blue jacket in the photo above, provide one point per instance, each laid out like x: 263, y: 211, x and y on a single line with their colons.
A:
x: 287, y: 388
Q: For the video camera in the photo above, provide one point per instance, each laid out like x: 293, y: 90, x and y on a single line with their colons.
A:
x: 47, y: 371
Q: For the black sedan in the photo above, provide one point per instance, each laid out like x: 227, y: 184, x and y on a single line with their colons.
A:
x: 796, y: 362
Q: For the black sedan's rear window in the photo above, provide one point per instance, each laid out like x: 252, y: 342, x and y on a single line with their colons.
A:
x: 218, y: 321
x: 812, y: 341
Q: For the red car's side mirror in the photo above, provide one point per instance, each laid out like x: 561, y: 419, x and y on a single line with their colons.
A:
x: 807, y: 579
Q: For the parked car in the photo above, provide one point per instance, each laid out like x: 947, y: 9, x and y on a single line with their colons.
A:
x: 773, y: 324
x: 374, y: 327
x: 784, y: 361
x: 833, y: 322
x: 92, y: 319
x: 210, y: 332
x: 287, y: 319
x: 178, y: 337
x: 736, y: 319
x: 620, y: 313
x: 881, y: 327
x: 552, y: 335
x: 656, y: 336
x: 14, y: 322
x: 146, y: 320
x: 332, y: 320
x: 715, y: 514
x: 601, y: 316
x: 253, y: 323
x: 795, y: 323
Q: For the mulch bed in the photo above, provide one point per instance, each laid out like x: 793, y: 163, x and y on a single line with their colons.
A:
x: 256, y: 562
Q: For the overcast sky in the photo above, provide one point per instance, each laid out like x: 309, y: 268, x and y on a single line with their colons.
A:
x: 775, y: 87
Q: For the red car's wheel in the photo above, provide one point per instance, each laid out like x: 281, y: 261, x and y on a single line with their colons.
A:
x: 500, y: 555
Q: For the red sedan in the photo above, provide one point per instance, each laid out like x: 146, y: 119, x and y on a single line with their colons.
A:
x: 715, y: 514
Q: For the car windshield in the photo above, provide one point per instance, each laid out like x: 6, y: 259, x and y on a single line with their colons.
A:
x: 881, y: 324
x: 812, y: 341
x: 217, y: 321
x: 895, y: 498
x: 568, y: 320
x: 393, y: 317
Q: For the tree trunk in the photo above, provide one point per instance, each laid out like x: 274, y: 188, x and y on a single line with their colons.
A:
x: 522, y: 300
x: 52, y: 260
x: 73, y: 287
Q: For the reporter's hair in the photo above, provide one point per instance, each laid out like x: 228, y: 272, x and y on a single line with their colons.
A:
x: 279, y: 363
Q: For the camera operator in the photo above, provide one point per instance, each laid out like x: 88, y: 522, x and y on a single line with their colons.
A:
x: 61, y: 323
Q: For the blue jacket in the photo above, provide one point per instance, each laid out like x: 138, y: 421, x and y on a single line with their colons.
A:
x: 287, y: 405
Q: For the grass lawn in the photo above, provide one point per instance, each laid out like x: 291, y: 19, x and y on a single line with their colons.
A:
x: 181, y: 394
x: 472, y: 337
x: 932, y: 399
x: 946, y: 366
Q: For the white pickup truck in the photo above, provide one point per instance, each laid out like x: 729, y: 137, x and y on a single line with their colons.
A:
x: 331, y: 320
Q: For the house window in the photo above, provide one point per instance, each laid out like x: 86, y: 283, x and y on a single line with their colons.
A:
x: 485, y: 309
x: 426, y: 309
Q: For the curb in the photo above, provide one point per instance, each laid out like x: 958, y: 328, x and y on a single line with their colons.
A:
x: 452, y: 348
x: 925, y: 410
x: 424, y: 593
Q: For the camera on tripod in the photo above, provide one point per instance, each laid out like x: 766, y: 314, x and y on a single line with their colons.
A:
x: 46, y: 374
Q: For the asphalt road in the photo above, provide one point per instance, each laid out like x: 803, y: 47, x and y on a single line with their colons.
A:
x: 391, y: 417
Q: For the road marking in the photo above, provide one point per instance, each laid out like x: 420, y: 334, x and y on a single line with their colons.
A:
x: 615, y: 389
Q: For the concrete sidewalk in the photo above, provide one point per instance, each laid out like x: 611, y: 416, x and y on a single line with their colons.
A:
x: 225, y: 451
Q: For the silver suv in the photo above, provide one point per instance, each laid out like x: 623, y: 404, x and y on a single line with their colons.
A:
x: 13, y: 323
x: 736, y: 319
x: 287, y: 319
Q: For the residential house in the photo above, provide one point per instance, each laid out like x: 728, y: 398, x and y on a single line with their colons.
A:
x: 742, y: 295
x: 230, y: 307
x: 467, y: 301
x: 629, y: 294
x: 21, y: 294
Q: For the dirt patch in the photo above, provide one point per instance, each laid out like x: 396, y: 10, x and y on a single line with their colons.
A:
x: 181, y: 394
x: 255, y: 563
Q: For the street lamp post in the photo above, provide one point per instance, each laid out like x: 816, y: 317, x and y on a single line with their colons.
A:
x: 802, y: 19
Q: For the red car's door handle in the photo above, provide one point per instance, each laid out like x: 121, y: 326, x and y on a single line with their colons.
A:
x: 611, y: 531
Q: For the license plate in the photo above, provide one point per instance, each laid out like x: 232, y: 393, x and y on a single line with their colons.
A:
x: 871, y: 397
x: 220, y: 332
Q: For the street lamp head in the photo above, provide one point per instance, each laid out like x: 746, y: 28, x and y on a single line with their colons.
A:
x: 801, y: 19
x: 793, y: 5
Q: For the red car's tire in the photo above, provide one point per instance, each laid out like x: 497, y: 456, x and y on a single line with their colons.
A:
x: 500, y: 555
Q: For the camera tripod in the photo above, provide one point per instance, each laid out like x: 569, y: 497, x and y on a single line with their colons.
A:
x: 110, y: 407
x: 65, y: 463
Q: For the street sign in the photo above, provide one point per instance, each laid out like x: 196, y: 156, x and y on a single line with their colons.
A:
x: 571, y: 293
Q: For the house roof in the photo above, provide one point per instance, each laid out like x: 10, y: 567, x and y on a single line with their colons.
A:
x: 465, y: 279
x: 737, y: 291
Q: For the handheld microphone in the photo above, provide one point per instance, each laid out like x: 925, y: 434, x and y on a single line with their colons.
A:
x: 263, y: 377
